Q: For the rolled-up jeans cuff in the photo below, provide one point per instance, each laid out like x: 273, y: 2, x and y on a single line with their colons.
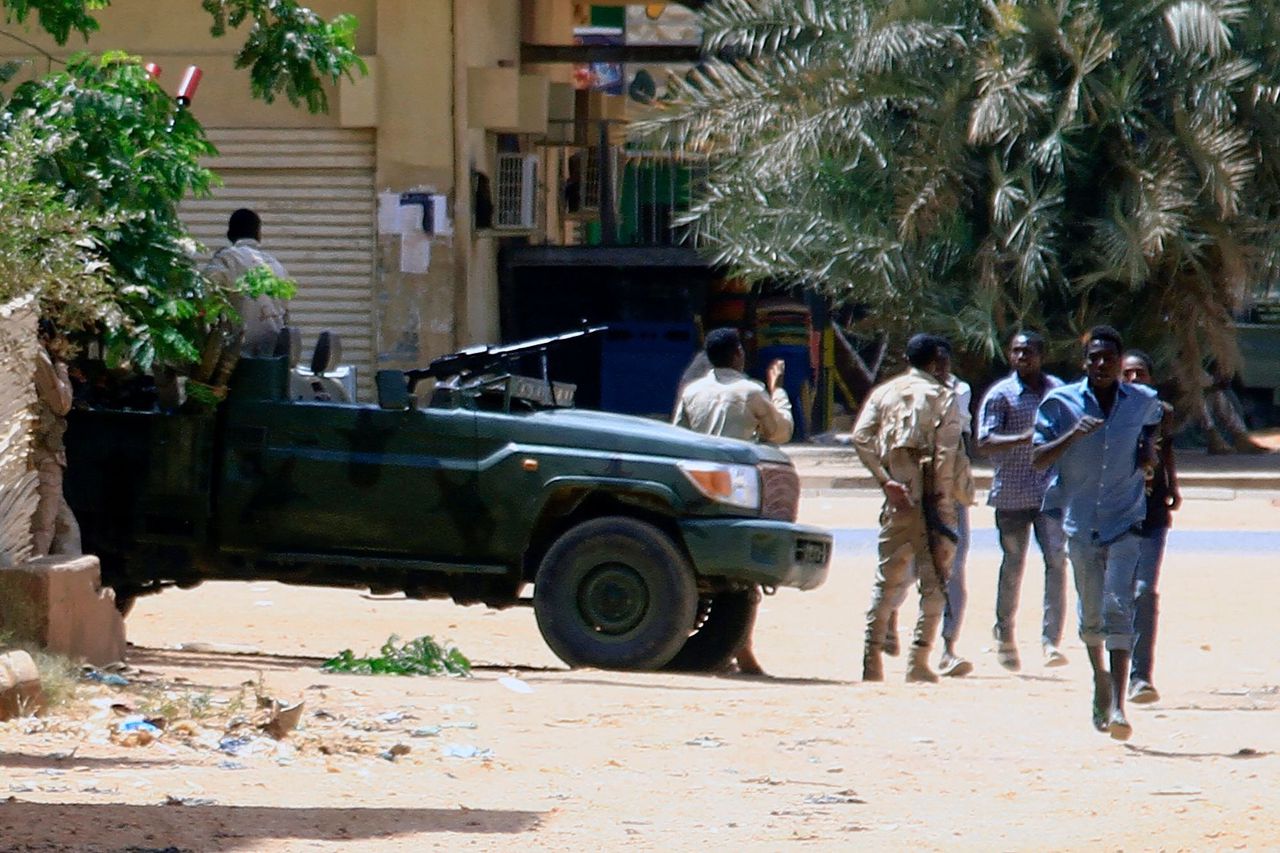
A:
x: 1092, y: 639
x: 1120, y: 643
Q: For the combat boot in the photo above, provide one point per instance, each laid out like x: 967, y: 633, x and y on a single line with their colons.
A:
x: 918, y: 670
x: 872, y: 666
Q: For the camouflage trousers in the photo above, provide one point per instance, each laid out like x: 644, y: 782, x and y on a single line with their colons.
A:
x: 53, y: 528
x: 908, y: 549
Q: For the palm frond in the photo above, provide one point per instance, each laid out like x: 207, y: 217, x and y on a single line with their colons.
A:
x: 1223, y: 155
x: 1202, y: 27
x: 1007, y: 100
x: 751, y: 28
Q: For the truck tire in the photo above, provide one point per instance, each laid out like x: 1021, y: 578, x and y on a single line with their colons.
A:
x: 615, y: 593
x: 725, y: 621
x: 125, y: 599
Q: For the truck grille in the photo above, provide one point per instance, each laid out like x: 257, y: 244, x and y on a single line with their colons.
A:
x: 779, y: 492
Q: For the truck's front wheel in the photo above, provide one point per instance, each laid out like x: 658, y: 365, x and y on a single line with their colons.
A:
x: 615, y: 593
x: 725, y: 622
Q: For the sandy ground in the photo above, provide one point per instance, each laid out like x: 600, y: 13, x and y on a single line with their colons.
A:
x: 599, y: 760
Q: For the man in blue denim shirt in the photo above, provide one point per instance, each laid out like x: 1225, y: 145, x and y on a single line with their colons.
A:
x: 1098, y: 433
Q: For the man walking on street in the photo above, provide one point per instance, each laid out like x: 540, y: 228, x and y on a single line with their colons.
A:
x: 908, y: 436
x: 1163, y: 499
x: 263, y: 317
x: 1005, y: 426
x: 951, y: 663
x: 1099, y: 433
x: 726, y: 402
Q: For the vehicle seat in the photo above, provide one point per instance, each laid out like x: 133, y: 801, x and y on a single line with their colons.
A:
x: 328, y: 354
x: 289, y: 344
x: 319, y: 385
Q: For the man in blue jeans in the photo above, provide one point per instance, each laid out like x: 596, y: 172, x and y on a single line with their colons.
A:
x: 1163, y: 499
x: 1099, y: 436
x: 1005, y: 427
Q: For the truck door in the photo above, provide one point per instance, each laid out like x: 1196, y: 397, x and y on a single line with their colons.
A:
x: 329, y: 479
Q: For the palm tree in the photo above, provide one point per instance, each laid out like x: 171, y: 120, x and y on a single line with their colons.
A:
x: 1126, y: 167
x: 977, y: 166
x: 808, y: 127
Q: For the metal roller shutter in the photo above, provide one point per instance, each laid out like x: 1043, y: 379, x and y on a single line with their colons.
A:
x: 314, y: 190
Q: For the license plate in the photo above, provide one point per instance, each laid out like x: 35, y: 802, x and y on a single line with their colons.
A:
x: 809, y: 551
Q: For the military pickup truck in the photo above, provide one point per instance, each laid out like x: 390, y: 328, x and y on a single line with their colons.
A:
x: 644, y: 543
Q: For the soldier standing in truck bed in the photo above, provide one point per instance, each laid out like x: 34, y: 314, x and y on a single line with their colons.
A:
x: 263, y: 316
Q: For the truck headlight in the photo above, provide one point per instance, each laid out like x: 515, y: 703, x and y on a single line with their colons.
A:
x: 735, y: 485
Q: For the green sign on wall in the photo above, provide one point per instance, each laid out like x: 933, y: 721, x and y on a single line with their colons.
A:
x: 609, y: 16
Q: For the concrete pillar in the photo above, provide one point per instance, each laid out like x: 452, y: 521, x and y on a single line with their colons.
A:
x: 416, y: 315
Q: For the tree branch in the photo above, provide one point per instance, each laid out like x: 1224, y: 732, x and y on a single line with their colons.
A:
x: 49, y: 57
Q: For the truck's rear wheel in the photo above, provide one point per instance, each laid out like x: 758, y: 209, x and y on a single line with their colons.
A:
x: 725, y: 622
x: 126, y: 597
x: 615, y: 593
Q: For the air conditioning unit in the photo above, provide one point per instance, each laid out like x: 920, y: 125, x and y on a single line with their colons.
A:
x: 516, y: 193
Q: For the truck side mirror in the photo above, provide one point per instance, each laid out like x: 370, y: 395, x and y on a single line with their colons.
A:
x: 393, y: 391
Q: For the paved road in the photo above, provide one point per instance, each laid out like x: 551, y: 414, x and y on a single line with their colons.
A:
x: 861, y: 541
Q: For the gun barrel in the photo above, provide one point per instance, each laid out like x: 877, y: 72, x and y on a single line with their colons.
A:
x: 484, y: 358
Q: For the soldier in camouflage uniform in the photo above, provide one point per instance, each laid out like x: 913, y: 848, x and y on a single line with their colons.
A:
x: 53, y: 529
x: 908, y: 437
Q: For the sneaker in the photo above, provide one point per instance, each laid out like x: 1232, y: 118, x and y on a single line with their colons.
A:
x: 953, y: 666
x: 1053, y: 657
x: 1143, y: 692
x: 1099, y: 717
x: 1118, y: 727
x: 1007, y: 654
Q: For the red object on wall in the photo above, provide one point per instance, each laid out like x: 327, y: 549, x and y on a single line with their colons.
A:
x: 154, y: 70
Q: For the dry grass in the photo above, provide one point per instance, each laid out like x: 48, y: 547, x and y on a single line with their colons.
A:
x: 59, y: 677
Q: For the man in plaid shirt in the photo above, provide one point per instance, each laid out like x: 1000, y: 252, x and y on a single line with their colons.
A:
x: 1006, y: 425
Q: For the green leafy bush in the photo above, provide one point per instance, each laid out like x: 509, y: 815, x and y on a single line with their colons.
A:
x: 48, y: 248
x: 423, y: 656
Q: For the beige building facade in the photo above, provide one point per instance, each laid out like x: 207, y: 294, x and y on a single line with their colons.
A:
x: 445, y: 99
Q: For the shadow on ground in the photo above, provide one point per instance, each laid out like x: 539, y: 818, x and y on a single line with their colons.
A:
x: 22, y: 761
x: 78, y: 826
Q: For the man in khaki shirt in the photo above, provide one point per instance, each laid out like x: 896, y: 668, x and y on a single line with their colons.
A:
x: 908, y: 437
x: 263, y: 317
x: 726, y: 402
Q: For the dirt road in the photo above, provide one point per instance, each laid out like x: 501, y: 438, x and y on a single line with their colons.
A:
x: 597, y: 760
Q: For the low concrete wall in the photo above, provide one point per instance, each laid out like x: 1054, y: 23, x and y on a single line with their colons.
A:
x: 58, y: 603
x: 18, y: 344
